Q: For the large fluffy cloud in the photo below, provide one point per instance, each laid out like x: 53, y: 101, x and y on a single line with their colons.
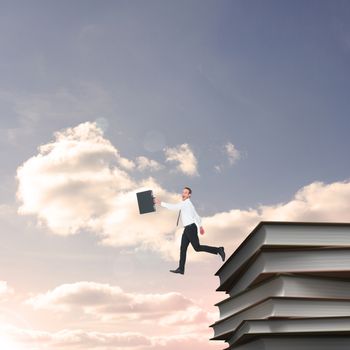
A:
x: 101, y: 316
x: 110, y: 303
x: 99, y: 298
x: 77, y: 182
x: 315, y: 202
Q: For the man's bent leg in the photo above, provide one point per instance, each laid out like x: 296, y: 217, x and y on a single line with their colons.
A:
x: 193, y: 237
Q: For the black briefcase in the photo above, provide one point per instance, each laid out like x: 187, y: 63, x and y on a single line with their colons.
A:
x: 145, y: 202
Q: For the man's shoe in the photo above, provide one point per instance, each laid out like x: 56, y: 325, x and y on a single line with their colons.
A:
x: 178, y: 270
x: 222, y: 253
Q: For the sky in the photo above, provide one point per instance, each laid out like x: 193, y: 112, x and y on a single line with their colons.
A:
x: 246, y: 102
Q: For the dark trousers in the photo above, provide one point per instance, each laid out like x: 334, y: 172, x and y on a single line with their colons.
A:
x: 190, y: 235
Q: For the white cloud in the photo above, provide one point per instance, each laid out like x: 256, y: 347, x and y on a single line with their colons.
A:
x: 72, y: 339
x: 126, y: 163
x: 108, y: 303
x: 71, y: 181
x: 317, y: 202
x: 5, y: 291
x: 75, y: 183
x: 184, y: 156
x: 139, y: 321
x: 144, y: 163
x: 192, y: 315
x: 232, y: 153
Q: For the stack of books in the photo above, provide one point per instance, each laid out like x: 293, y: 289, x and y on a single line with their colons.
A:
x: 288, y: 287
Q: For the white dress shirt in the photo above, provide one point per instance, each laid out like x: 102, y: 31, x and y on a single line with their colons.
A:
x: 188, y: 212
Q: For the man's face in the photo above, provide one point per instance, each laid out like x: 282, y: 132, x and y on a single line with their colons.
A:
x: 185, y: 194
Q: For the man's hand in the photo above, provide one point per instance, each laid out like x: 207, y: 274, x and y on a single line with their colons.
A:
x: 156, y: 201
x: 201, y: 230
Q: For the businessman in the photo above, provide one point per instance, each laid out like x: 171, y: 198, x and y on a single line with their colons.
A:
x: 191, y: 222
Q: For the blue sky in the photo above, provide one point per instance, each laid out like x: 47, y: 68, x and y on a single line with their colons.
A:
x: 270, y: 78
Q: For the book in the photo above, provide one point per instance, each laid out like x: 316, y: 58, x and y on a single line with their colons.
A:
x: 285, y: 286
x: 250, y: 329
x: 281, y: 307
x: 325, y: 342
x: 288, y: 286
x: 275, y: 234
x: 325, y: 262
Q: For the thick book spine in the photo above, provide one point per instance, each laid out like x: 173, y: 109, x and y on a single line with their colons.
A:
x: 249, y: 329
x: 282, y: 308
x: 325, y: 262
x: 285, y: 286
x: 280, y: 235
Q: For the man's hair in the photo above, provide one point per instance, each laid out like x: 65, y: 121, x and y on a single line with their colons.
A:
x: 189, y: 190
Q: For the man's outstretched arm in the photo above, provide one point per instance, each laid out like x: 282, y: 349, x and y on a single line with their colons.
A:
x: 176, y: 206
